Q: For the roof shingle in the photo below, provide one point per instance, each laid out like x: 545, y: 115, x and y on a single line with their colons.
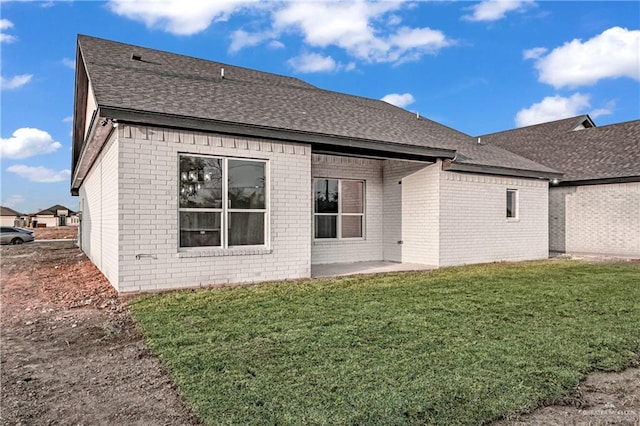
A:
x: 176, y: 85
x: 592, y: 153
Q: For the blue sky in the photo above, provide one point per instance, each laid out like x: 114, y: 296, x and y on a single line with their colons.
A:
x: 479, y: 67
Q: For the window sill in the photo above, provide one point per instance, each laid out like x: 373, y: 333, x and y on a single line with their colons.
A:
x: 513, y: 219
x: 224, y: 252
x: 322, y: 241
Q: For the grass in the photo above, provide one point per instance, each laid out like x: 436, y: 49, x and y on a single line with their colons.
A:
x: 454, y: 346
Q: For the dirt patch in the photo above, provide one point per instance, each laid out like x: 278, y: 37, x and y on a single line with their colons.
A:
x: 71, y: 353
x: 59, y: 233
x: 602, y: 399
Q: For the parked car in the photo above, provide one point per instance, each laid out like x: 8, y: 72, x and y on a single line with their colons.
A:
x: 15, y: 235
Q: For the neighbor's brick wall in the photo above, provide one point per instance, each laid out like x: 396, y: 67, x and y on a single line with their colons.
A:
x: 595, y: 219
x: 421, y: 216
x: 148, y: 181
x: 474, y: 227
x: 351, y: 250
x: 393, y: 171
x: 99, y: 207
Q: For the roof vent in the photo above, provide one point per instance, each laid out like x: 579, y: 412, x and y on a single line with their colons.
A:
x: 221, y: 72
x: 135, y: 57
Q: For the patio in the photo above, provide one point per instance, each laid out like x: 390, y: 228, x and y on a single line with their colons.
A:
x: 360, y: 268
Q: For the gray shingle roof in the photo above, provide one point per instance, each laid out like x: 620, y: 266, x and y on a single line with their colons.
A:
x: 8, y: 211
x: 53, y: 210
x: 176, y: 85
x: 605, y: 152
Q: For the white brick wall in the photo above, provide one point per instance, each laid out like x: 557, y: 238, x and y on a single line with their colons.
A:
x: 595, y: 219
x: 352, y: 250
x: 99, y: 204
x: 421, y: 216
x: 473, y: 223
x: 393, y: 171
x: 148, y: 179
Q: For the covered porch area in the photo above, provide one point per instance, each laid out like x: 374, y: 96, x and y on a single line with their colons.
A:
x: 365, y: 268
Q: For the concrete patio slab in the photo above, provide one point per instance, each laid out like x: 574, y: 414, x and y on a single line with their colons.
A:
x: 357, y: 268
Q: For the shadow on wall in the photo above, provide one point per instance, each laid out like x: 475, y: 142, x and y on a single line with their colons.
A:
x: 558, y: 217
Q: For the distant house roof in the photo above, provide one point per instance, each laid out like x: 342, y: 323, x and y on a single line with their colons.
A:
x: 575, y: 146
x: 53, y: 210
x: 146, y: 86
x: 7, y: 211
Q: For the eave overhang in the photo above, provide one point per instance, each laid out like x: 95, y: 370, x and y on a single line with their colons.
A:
x: 98, y: 135
x: 500, y: 171
x: 602, y: 181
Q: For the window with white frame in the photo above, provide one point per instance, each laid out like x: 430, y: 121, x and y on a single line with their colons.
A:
x: 512, y: 203
x: 338, y: 208
x: 222, y: 201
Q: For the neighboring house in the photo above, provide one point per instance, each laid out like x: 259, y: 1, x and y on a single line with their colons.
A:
x: 10, y: 217
x: 192, y: 172
x: 55, y: 216
x: 595, y: 207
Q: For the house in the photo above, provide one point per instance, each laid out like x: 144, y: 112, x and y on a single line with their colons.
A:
x: 55, y: 216
x: 595, y: 207
x: 10, y: 217
x: 191, y: 172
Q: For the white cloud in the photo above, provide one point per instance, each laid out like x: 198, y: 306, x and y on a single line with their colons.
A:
x: 494, y: 10
x: 614, y: 53
x: 7, y: 38
x: 365, y: 30
x: 14, y: 201
x: 14, y: 82
x: 313, y: 62
x: 69, y: 63
x: 241, y: 39
x: 553, y: 108
x: 534, y: 53
x: 40, y: 174
x: 608, y: 109
x: 68, y: 119
x: 350, y: 26
x: 5, y: 24
x: 275, y: 44
x: 26, y: 142
x: 399, y: 100
x: 180, y: 17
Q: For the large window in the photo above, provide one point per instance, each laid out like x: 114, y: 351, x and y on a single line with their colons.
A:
x: 339, y: 208
x: 222, y: 202
x: 512, y: 204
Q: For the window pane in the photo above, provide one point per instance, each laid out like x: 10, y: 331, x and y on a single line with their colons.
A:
x: 246, y: 229
x: 200, y: 182
x: 246, y: 184
x: 326, y: 226
x: 199, y: 229
x: 326, y: 196
x: 351, y: 226
x: 352, y: 196
x: 511, y: 203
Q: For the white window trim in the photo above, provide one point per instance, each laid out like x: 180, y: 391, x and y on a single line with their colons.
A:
x: 225, y: 210
x: 339, y: 214
x: 516, y: 205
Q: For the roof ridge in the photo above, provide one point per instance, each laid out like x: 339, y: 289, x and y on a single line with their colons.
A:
x: 545, y: 124
x: 195, y: 58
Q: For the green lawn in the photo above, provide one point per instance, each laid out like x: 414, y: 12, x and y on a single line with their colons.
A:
x: 454, y: 346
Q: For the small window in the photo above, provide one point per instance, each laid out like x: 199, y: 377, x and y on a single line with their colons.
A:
x: 338, y: 208
x: 512, y: 204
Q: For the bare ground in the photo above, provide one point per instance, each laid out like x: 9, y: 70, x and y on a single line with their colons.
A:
x: 58, y: 233
x: 72, y: 355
